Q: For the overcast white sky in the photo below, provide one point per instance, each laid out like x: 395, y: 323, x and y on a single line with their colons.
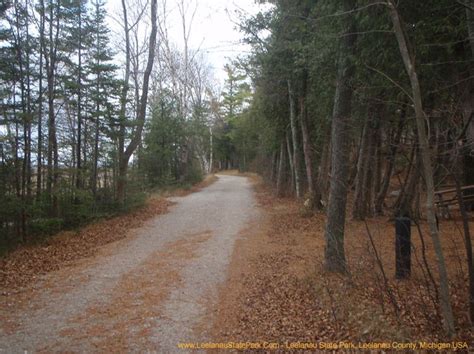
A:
x: 213, y: 28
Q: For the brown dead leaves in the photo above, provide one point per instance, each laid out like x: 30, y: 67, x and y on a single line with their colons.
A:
x: 278, y: 290
x: 27, y: 263
x: 128, y: 321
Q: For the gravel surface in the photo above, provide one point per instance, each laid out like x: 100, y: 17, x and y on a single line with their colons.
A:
x: 194, y: 243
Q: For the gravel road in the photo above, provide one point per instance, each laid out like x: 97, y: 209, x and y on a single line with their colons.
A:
x: 150, y: 291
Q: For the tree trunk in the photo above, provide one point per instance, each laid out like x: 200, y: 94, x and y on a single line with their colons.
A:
x: 372, y: 175
x: 39, y: 170
x: 290, y: 161
x: 335, y: 259
x: 120, y: 172
x: 15, y: 147
x: 360, y: 196
x: 50, y: 58
x: 468, y: 161
x: 467, y: 245
x: 321, y: 195
x: 274, y: 168
x: 294, y: 139
x: 124, y: 156
x: 468, y: 109
x: 79, y: 103
x: 355, y: 155
x: 427, y: 168
x: 308, y: 154
x: 281, y: 170
x: 379, y: 200
x: 211, y: 154
x: 470, y: 24
x: 402, y: 205
x: 377, y: 172
x: 95, y: 166
x: 23, y: 75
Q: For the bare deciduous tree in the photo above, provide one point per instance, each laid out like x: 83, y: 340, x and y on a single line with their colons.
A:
x: 126, y: 153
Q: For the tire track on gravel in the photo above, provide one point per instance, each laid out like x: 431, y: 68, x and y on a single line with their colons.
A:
x: 182, y: 255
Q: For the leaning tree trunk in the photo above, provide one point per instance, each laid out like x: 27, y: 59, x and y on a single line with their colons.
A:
x: 121, y: 171
x: 335, y: 259
x: 409, y: 62
x: 124, y: 156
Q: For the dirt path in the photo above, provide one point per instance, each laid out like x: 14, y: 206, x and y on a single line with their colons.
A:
x: 149, y: 291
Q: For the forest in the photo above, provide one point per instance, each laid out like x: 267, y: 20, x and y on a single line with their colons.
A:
x: 351, y: 110
x: 356, y: 110
x: 362, y: 109
x: 89, y: 125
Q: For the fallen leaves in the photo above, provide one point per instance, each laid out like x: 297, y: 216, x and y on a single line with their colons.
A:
x: 26, y: 263
x: 279, y: 291
x: 127, y: 322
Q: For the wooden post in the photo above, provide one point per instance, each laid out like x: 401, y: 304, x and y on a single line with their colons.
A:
x: 402, y: 247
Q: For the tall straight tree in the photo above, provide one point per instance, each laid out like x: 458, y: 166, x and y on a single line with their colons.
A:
x: 75, y: 24
x: 79, y: 14
x: 50, y: 55
x: 103, y: 85
x: 335, y: 259
x: 22, y: 48
x: 307, y: 151
x: 42, y: 43
x: 294, y: 137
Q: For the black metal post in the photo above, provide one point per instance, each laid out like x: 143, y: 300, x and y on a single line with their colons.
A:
x: 402, y: 247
